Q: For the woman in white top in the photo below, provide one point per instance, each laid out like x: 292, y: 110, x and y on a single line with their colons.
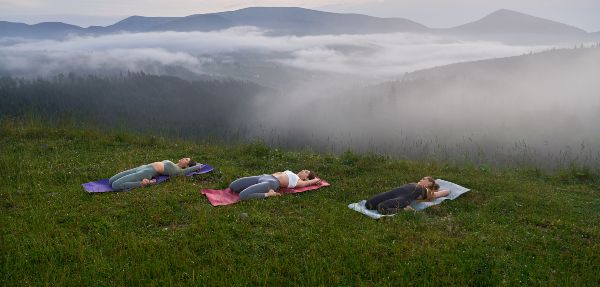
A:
x: 266, y: 185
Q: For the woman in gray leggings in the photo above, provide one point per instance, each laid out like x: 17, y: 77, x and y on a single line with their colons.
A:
x: 143, y: 174
x: 266, y: 185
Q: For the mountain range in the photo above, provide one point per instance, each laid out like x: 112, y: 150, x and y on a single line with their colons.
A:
x: 300, y: 21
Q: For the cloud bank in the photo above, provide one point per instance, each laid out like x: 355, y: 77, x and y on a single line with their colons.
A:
x: 371, y: 56
x: 540, y: 105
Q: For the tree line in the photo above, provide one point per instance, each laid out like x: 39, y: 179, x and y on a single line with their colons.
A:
x: 144, y: 102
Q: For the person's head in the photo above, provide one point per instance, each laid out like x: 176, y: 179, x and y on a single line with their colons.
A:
x: 429, y: 183
x: 186, y: 162
x: 306, y: 174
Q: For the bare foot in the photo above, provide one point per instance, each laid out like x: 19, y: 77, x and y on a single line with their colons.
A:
x: 145, y: 182
x: 272, y: 193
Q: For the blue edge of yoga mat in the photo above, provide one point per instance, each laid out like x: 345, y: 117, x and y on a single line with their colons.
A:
x: 103, y: 186
x: 455, y: 191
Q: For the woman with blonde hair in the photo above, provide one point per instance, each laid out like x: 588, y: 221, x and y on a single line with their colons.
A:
x: 397, y: 199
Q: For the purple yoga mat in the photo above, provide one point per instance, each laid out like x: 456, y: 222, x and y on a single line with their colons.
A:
x: 103, y: 186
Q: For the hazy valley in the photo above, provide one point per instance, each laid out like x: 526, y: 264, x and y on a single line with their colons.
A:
x: 486, y: 91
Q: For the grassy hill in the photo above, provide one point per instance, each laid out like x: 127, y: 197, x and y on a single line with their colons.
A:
x: 516, y: 227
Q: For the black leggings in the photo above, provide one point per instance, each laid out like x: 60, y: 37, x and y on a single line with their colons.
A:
x: 395, y: 200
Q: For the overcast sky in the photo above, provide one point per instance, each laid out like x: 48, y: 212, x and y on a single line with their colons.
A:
x: 432, y: 13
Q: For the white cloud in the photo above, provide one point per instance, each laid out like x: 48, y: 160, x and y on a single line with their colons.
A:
x: 514, y: 107
x: 376, y: 55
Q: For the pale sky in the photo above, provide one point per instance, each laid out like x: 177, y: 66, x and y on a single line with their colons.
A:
x: 433, y: 13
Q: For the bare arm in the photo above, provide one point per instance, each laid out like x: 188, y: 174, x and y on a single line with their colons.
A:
x: 441, y: 193
x: 436, y: 194
x: 303, y: 183
x: 192, y: 168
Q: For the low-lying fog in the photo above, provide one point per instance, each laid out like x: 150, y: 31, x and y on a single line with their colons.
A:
x: 375, y: 56
x: 358, y: 92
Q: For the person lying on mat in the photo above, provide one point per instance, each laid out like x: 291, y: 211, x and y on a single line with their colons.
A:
x: 143, y: 174
x: 266, y: 185
x: 397, y: 199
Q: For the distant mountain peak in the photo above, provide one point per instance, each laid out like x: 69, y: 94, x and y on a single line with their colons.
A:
x: 291, y: 21
x: 504, y: 12
x: 513, y: 22
x: 510, y: 15
x: 139, y: 23
x: 267, y: 8
x: 55, y: 25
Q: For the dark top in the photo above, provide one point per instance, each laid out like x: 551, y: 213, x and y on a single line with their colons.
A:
x: 411, y: 191
x: 394, y: 200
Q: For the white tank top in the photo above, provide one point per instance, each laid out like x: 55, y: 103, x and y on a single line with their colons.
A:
x: 292, y: 178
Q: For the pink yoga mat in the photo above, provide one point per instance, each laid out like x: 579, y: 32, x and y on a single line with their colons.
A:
x: 226, y: 196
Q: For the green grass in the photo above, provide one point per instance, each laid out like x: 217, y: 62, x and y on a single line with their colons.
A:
x: 516, y: 226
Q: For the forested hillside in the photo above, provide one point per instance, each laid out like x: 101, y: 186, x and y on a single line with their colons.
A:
x: 139, y: 101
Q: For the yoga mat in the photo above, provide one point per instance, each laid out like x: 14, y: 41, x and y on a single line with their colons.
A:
x: 103, y: 186
x: 455, y: 191
x: 226, y: 196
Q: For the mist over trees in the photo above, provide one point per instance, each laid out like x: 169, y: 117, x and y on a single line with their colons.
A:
x: 450, y: 95
x: 136, y: 100
x: 539, y: 109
